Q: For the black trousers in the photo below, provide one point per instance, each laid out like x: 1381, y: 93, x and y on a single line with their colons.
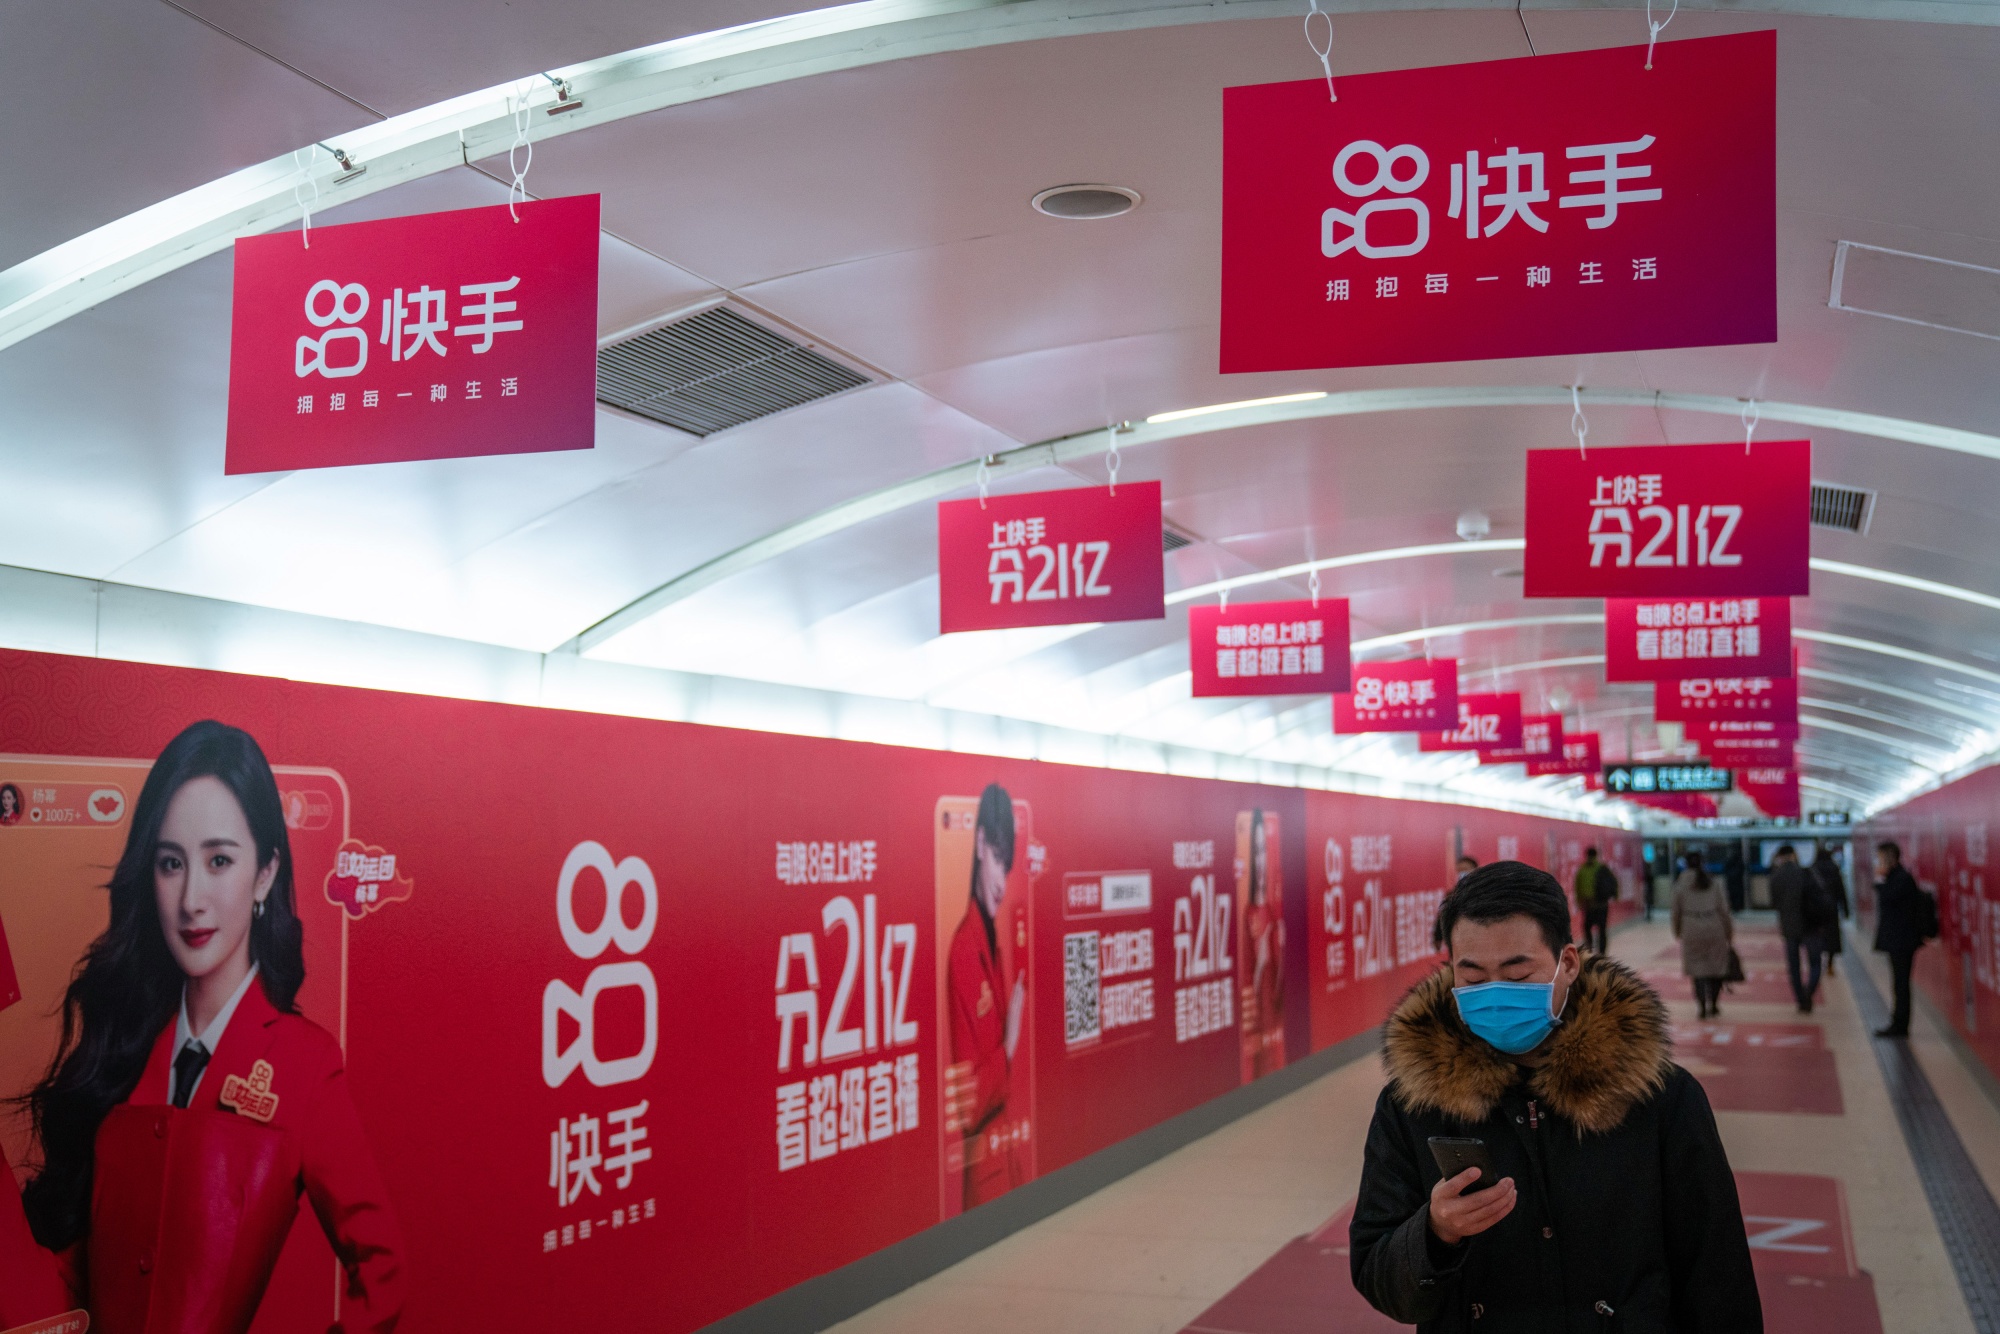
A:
x: 1708, y: 991
x: 1899, y: 970
x: 1596, y: 928
x: 1805, y: 981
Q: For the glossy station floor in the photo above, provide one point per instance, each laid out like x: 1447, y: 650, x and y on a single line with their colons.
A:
x: 1244, y: 1232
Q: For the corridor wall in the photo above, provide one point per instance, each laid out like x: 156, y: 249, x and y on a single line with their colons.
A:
x: 1942, y: 835
x: 647, y: 1021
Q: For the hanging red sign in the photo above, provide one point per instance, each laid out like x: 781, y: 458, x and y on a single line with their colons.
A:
x: 1665, y: 639
x: 1581, y: 754
x: 1692, y: 805
x: 438, y: 336
x: 1541, y: 739
x: 1738, y: 752
x: 1051, y: 558
x: 1775, y: 790
x: 1512, y: 208
x: 1485, y: 722
x: 1269, y: 648
x: 1412, y: 696
x: 1658, y: 521
x: 1700, y: 729
x: 1697, y: 699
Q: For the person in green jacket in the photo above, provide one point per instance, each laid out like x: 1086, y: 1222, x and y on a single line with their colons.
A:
x: 1596, y: 887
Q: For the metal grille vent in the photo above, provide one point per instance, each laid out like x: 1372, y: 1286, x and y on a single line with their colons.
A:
x: 1840, y: 507
x: 1172, y: 539
x: 713, y: 371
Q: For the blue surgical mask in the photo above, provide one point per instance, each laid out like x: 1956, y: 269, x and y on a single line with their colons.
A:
x: 1512, y: 1016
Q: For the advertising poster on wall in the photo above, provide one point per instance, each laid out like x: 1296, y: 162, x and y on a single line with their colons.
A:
x: 641, y: 1040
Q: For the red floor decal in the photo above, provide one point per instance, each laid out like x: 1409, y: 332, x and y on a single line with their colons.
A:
x: 1761, y: 1067
x: 1800, y: 1245
x: 1766, y: 984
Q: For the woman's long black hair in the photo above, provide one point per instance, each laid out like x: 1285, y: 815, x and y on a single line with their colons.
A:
x: 128, y: 986
x: 996, y: 821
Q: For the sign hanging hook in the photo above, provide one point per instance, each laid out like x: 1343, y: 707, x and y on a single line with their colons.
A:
x: 1579, y: 426
x: 306, y: 178
x: 1654, y: 29
x: 1312, y: 582
x: 984, y: 475
x: 1750, y: 419
x: 1325, y: 53
x: 517, y: 107
x: 1111, y: 459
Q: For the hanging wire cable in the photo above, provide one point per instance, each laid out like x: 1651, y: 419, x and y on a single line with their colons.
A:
x: 1325, y: 53
x: 1111, y: 459
x: 306, y: 178
x: 985, y: 475
x: 517, y: 106
x: 1654, y: 29
x: 1750, y: 420
x: 1579, y: 425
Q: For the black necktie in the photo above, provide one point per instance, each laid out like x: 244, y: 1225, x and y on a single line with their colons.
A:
x: 187, y: 1069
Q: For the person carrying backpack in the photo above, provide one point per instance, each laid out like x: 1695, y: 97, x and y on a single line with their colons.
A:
x: 1905, y: 917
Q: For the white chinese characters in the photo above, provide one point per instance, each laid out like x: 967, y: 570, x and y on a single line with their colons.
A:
x: 1024, y: 564
x: 411, y: 322
x: 1290, y: 648
x: 1674, y: 541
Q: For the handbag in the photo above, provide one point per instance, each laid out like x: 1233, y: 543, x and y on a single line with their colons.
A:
x: 1735, y: 972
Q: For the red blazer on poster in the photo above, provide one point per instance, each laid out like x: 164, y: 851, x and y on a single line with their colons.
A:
x: 190, y: 1209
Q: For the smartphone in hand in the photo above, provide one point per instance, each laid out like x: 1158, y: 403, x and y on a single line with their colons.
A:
x: 1455, y: 1155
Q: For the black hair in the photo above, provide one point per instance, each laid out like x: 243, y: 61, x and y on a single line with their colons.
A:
x: 1500, y: 890
x: 1468, y: 857
x: 1889, y: 846
x: 1786, y: 850
x: 128, y: 987
x: 996, y: 821
x: 1590, y: 852
x: 1694, y: 861
x: 1258, y: 870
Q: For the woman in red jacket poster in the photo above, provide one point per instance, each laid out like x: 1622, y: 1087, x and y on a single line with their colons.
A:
x: 189, y: 1105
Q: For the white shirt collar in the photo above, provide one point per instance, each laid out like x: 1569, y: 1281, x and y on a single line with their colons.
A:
x: 212, y: 1035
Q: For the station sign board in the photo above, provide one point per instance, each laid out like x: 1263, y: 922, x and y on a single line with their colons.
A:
x: 1632, y: 779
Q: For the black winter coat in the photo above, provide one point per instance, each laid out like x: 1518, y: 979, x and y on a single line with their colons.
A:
x: 1899, y: 923
x: 1627, y: 1219
x: 1788, y: 896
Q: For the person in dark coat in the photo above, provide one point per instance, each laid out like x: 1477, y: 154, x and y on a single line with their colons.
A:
x: 1615, y: 1207
x: 1736, y: 875
x: 1802, y: 928
x: 1826, y: 870
x: 1899, y: 928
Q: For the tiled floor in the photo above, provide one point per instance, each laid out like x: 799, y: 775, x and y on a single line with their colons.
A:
x: 1151, y: 1253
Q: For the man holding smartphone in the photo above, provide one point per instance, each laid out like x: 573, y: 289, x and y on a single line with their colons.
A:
x: 1612, y: 1204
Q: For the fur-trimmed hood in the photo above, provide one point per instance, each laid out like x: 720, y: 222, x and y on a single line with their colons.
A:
x: 1611, y: 1051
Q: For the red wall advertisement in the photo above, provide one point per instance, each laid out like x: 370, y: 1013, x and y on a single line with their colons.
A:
x: 1662, y: 521
x: 1051, y: 558
x: 1376, y: 873
x: 430, y: 337
x: 1269, y: 648
x: 624, y: 1022
x: 1946, y: 844
x: 1415, y: 695
x: 1485, y: 722
x: 1651, y: 639
x: 1727, y: 699
x: 1513, y: 208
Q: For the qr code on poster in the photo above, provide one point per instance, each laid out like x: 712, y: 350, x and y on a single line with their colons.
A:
x: 1083, y: 1018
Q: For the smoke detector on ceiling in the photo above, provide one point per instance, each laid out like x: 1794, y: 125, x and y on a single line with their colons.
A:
x: 1086, y: 201
x: 1474, y: 526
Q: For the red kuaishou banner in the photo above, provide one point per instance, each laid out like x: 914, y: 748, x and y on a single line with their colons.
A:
x: 1051, y: 558
x: 1416, y: 695
x: 437, y: 336
x: 1581, y: 754
x: 1654, y: 639
x: 1657, y: 522
x: 1541, y: 739
x: 1702, y: 728
x: 643, y: 1022
x: 1514, y: 208
x: 1736, y: 752
x: 1485, y: 722
x: 1727, y: 699
x: 1693, y: 805
x: 1776, y: 791
x: 1269, y: 648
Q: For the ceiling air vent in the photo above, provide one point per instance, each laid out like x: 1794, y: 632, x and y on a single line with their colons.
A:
x: 715, y: 370
x: 1841, y: 507
x: 1173, y: 539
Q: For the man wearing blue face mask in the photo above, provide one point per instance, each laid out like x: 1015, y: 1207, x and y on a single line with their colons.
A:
x: 1614, y: 1206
